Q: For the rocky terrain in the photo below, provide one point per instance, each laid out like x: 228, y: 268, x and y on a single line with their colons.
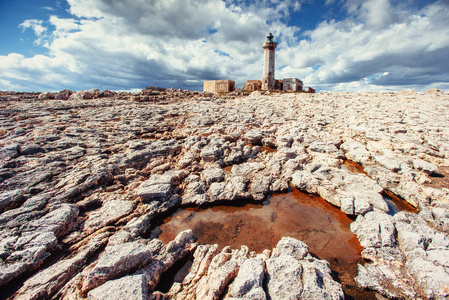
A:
x: 84, y: 176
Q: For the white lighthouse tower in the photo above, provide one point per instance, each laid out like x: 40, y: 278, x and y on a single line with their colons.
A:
x: 268, y: 81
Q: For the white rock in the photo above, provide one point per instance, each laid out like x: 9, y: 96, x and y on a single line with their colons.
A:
x: 422, y: 165
x: 128, y: 287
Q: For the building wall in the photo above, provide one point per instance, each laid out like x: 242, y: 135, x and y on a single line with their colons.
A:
x: 310, y: 90
x: 223, y: 86
x: 252, y: 85
x: 278, y: 85
x: 292, y: 85
x: 209, y: 86
x: 219, y: 86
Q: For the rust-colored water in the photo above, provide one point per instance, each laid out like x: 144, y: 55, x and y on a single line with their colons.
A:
x: 227, y: 169
x: 260, y: 226
x: 267, y: 149
x: 397, y: 204
x: 353, y: 167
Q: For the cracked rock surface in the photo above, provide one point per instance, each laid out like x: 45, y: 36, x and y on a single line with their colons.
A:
x: 83, y: 180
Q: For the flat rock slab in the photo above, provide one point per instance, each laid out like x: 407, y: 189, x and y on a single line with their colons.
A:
x: 246, y: 169
x: 128, y: 287
x: 156, y: 187
x: 110, y: 211
x: 117, y: 260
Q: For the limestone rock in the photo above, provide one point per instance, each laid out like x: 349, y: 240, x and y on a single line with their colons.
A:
x: 61, y: 162
x: 425, y: 166
x: 21, y: 261
x: 318, y: 283
x: 127, y: 287
x: 254, y: 136
x: 356, y: 151
x: 293, y: 274
x: 195, y: 193
x: 56, y: 221
x: 8, y: 198
x: 110, y: 212
x: 31, y: 149
x: 249, y: 280
x: 9, y: 151
x: 389, y: 161
x: 291, y: 247
x: 157, y: 187
x: 117, y: 260
x: 223, y: 268
x: 48, y: 281
x: 375, y: 229
x: 183, y: 244
x: 211, y: 175
x: 284, y: 277
x: 246, y: 169
x: 305, y: 181
x: 387, y: 280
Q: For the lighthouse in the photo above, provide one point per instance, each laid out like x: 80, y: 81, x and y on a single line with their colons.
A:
x: 268, y: 81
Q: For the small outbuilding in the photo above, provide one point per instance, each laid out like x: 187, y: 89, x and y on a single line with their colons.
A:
x: 310, y: 90
x: 219, y: 86
x: 292, y: 85
x: 252, y: 85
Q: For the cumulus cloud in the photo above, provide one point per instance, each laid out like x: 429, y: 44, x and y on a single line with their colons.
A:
x: 410, y: 49
x: 132, y: 44
x: 38, y: 28
x: 35, y: 25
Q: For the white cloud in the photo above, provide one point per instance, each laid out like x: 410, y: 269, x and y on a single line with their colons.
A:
x: 35, y: 25
x: 49, y: 8
x: 130, y: 44
x: 378, y: 14
x: 411, y: 49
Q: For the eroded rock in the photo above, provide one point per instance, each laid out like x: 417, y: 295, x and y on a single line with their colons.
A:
x: 72, y: 170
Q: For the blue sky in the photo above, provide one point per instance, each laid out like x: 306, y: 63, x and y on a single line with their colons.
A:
x: 332, y: 45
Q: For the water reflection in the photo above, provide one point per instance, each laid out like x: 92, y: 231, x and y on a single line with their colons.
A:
x: 396, y: 204
x: 260, y: 226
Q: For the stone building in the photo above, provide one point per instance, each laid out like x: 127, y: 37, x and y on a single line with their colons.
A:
x: 278, y: 84
x: 219, y: 86
x: 292, y: 85
x: 252, y: 85
x: 309, y: 90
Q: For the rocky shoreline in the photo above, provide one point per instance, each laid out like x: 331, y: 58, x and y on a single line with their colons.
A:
x: 84, y: 176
